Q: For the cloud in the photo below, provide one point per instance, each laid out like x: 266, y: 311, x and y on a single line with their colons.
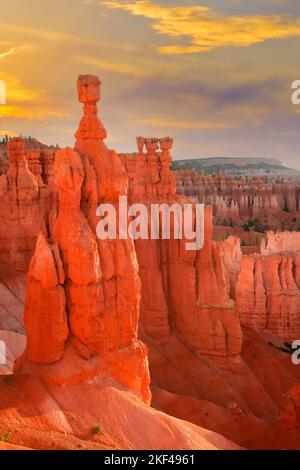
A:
x: 169, y: 123
x: 3, y: 133
x: 7, y: 53
x: 25, y: 103
x: 15, y: 50
x: 17, y: 93
x: 115, y: 67
x: 55, y: 36
x: 30, y: 113
x: 206, y: 29
x: 199, y: 93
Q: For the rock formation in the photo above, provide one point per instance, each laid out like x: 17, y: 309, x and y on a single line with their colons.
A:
x: 267, y: 201
x: 45, y: 306
x: 192, y: 295
x: 88, y: 289
x: 200, y: 306
x: 215, y: 320
x: 25, y: 203
x: 266, y: 285
x: 280, y: 242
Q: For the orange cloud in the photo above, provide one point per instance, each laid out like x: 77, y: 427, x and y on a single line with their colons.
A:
x: 184, y: 124
x: 17, y: 93
x: 115, y: 67
x: 8, y: 133
x: 32, y: 113
x: 25, y: 103
x: 207, y: 29
x: 14, y: 50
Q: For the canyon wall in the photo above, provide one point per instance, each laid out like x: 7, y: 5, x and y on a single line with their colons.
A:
x: 261, y: 289
x: 240, y: 199
x: 191, y: 294
x: 266, y: 286
x: 27, y: 195
x: 26, y: 191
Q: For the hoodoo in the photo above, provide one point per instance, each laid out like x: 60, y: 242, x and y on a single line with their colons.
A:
x: 88, y: 289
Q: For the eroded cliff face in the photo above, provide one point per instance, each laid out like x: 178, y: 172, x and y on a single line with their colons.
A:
x: 45, y: 314
x: 277, y: 242
x: 266, y: 286
x: 219, y: 287
x: 151, y: 181
x: 22, y: 211
x: 191, y: 293
x: 271, y: 202
x: 26, y: 200
x: 26, y: 189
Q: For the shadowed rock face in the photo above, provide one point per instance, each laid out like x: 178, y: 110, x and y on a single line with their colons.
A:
x: 191, y: 287
x: 264, y: 288
x: 27, y: 196
x: 192, y: 297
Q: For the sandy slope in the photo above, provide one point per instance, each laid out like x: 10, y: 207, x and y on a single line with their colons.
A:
x: 51, y: 417
x: 40, y: 416
x: 7, y: 446
x: 239, y: 398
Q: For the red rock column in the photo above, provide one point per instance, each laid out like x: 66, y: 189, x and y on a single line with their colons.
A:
x: 45, y: 306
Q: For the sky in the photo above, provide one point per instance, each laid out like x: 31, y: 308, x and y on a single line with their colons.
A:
x: 215, y: 75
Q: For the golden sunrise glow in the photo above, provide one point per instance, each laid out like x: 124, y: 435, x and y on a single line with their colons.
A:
x: 216, y: 78
x: 2, y: 92
x: 207, y: 29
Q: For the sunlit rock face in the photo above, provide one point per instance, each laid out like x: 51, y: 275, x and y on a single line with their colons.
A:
x: 83, y: 294
x: 268, y: 287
